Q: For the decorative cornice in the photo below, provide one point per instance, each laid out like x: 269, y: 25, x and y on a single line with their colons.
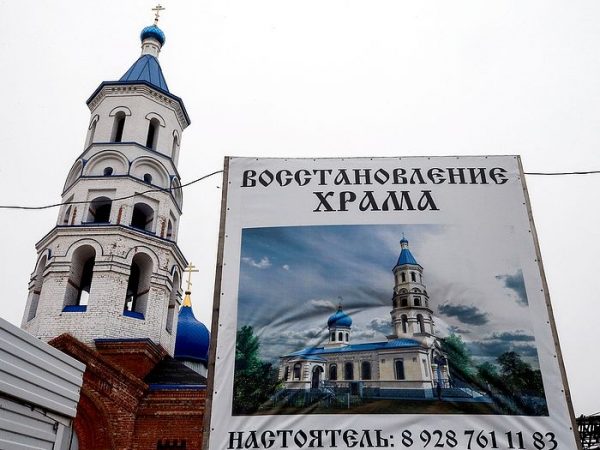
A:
x: 87, y: 231
x: 114, y: 88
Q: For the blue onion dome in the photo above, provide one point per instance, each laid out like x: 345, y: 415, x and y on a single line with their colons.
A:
x: 153, y: 31
x: 193, y: 338
x: 339, y: 319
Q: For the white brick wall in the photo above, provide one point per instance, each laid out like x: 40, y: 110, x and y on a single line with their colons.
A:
x: 103, y: 318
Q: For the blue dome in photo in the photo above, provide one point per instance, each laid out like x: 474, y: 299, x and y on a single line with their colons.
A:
x: 153, y: 31
x: 339, y: 319
x: 193, y: 338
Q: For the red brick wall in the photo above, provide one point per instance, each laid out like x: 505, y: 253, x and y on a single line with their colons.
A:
x: 170, y: 416
x: 117, y: 410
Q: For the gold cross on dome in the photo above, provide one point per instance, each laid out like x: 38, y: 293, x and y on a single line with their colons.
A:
x: 189, y: 269
x: 157, y: 10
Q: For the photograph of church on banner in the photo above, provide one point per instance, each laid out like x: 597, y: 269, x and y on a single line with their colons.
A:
x: 378, y: 319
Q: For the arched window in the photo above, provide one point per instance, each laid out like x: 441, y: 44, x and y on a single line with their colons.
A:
x: 175, y: 147
x: 399, y: 369
x: 148, y: 178
x: 172, y: 303
x: 297, y: 371
x: 340, y: 336
x: 169, y: 229
x: 86, y: 282
x: 108, y: 171
x: 404, y: 301
x: 403, y: 275
x: 404, y: 320
x: 99, y: 210
x: 317, y: 377
x: 413, y: 277
x: 421, y: 323
x: 67, y: 216
x: 143, y: 216
x: 176, y: 190
x: 417, y: 301
x: 138, y: 286
x: 333, y: 337
x: 347, y: 337
x: 420, y: 278
x: 92, y: 129
x: 118, y: 127
x: 80, y: 279
x: 152, y: 133
x: 286, y: 374
x: 34, y: 293
x: 348, y: 371
x: 365, y: 370
x: 333, y: 372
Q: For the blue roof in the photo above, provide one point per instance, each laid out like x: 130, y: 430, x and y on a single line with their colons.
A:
x: 311, y: 358
x: 193, y: 338
x: 153, y: 32
x: 387, y: 345
x: 339, y: 319
x: 146, y: 68
x: 406, y: 257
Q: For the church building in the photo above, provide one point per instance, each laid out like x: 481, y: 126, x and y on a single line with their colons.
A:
x: 409, y: 364
x: 106, y: 285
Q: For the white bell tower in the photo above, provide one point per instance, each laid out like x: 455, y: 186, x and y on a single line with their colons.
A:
x: 411, y: 316
x: 111, y: 267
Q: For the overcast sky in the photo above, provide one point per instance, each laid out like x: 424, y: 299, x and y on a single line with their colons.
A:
x: 323, y: 78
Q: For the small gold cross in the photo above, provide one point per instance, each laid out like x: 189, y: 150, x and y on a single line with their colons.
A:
x: 189, y: 269
x: 158, y: 9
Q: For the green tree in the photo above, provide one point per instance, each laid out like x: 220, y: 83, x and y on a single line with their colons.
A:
x: 246, y: 349
x: 254, y: 380
x: 490, y: 379
x: 487, y: 372
x: 459, y: 358
x: 519, y: 375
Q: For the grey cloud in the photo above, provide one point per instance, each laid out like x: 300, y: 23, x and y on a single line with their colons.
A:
x: 381, y: 325
x: 457, y: 330
x: 322, y: 304
x: 496, y: 348
x: 515, y: 283
x: 466, y: 314
x: 511, y: 336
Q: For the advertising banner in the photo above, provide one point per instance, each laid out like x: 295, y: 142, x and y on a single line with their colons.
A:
x: 383, y: 303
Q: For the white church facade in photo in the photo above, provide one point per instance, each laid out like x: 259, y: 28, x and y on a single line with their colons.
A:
x: 409, y: 364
